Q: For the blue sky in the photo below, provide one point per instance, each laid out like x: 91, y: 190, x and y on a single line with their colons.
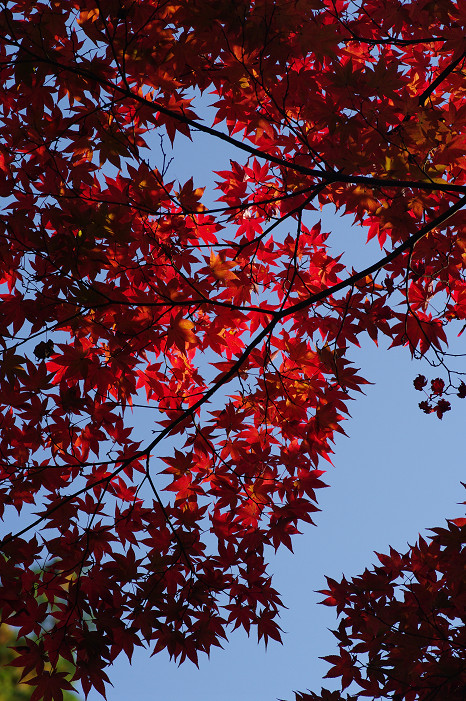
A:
x: 396, y: 475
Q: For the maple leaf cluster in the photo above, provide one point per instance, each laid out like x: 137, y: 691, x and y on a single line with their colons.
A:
x: 229, y: 326
x: 435, y: 394
x: 402, y: 632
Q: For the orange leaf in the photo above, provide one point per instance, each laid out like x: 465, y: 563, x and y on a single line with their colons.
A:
x: 222, y: 268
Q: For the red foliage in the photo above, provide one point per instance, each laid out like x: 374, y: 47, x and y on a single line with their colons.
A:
x: 228, y: 327
x: 402, y: 633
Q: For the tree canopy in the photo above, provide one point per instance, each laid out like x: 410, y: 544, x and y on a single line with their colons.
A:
x: 13, y: 681
x: 134, y: 302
